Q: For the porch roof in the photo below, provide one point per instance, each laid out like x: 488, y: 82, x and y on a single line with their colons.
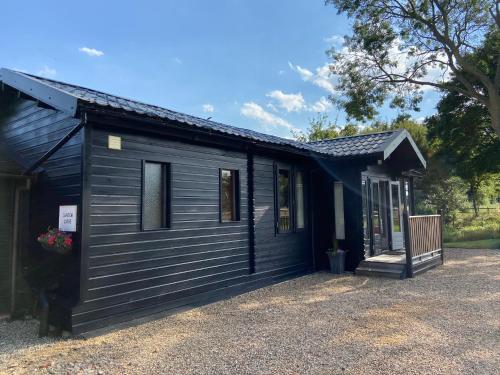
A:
x: 381, y: 144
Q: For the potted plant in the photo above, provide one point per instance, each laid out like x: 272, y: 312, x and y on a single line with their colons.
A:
x: 56, y: 241
x: 336, y: 256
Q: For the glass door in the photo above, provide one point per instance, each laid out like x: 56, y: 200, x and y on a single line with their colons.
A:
x: 396, y: 217
x: 376, y: 222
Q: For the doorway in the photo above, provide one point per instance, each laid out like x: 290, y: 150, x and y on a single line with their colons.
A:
x: 397, y: 237
x: 379, y: 215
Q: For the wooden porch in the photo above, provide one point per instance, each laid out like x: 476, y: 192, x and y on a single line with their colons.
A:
x: 423, y: 250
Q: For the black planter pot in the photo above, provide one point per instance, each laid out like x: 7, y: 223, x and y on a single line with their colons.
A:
x: 337, y: 262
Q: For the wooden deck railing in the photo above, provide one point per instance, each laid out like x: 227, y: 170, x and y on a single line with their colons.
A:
x: 423, y: 239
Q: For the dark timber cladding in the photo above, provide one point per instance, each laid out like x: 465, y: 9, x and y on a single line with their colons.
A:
x: 31, y: 130
x: 283, y: 252
x: 131, y: 271
x: 6, y: 218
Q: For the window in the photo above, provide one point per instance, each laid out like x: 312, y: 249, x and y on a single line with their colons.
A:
x: 284, y: 200
x: 338, y: 191
x: 155, y: 196
x: 229, y: 195
x: 396, y: 211
x: 290, y: 199
x: 299, y: 200
x: 375, y: 209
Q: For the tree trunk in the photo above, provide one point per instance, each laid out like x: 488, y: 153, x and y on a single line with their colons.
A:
x: 474, y: 204
x: 494, y: 109
x: 473, y: 189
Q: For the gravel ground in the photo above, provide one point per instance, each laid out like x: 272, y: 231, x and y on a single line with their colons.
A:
x: 445, y: 321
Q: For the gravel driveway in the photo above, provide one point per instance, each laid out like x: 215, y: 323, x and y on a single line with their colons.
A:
x: 444, y: 321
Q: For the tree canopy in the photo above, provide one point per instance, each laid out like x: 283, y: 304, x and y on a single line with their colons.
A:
x: 399, y: 48
x: 464, y: 138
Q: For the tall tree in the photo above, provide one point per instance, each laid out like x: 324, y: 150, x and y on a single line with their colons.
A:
x: 461, y: 130
x: 400, y: 47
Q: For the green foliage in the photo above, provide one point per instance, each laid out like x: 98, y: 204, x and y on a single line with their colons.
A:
x: 348, y: 130
x: 489, y: 191
x: 447, y: 194
x: 322, y: 128
x: 464, y: 138
x: 477, y: 244
x: 469, y: 227
x: 398, y: 47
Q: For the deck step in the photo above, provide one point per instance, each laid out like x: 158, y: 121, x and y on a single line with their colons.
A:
x: 379, y: 269
x: 426, y: 265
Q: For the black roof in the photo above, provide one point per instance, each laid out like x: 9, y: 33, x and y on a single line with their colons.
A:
x: 103, y: 99
x: 357, y: 144
x: 67, y: 97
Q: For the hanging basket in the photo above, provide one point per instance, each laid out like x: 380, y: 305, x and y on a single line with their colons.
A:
x: 56, y: 241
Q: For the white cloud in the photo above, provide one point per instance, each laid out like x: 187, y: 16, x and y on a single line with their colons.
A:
x: 290, y: 102
x: 272, y: 107
x: 305, y: 74
x: 208, y: 108
x: 321, y: 78
x: 91, y: 51
x: 47, y: 72
x: 335, y: 40
x: 322, y: 105
x: 254, y: 111
x: 177, y: 60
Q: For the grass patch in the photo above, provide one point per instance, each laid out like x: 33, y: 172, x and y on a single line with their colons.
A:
x: 493, y: 243
x: 468, y: 227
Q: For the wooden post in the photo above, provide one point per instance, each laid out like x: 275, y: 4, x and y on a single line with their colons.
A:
x: 409, y: 263
x: 440, y: 212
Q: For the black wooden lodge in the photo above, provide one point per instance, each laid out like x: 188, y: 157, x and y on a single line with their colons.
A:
x: 175, y: 210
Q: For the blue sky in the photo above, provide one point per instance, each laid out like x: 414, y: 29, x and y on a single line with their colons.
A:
x: 254, y: 64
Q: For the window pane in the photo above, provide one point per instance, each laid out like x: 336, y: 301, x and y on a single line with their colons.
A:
x: 364, y: 192
x: 153, y: 205
x: 299, y: 197
x: 228, y: 195
x: 375, y: 209
x: 284, y: 200
x: 339, y: 210
x: 396, y: 212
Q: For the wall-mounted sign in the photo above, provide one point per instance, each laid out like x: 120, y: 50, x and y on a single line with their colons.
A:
x: 114, y: 142
x: 67, y: 218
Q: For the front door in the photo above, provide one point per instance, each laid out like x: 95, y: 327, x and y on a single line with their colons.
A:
x: 380, y: 215
x: 396, y: 219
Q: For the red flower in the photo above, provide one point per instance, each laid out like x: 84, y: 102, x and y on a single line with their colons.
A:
x: 68, y: 241
x: 51, y: 240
